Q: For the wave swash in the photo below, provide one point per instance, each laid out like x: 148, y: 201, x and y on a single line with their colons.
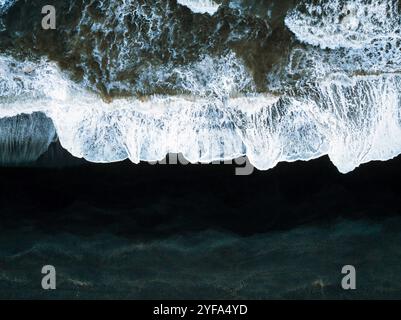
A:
x: 213, y: 80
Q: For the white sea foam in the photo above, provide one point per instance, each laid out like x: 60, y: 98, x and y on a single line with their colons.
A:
x: 345, y: 23
x: 352, y: 119
x: 5, y: 5
x: 346, y: 105
x: 145, y: 40
x: 200, y: 6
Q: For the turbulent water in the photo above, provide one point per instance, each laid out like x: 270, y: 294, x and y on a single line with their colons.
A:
x: 273, y: 80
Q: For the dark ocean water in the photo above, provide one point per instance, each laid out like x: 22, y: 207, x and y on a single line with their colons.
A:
x: 200, y: 232
x: 119, y: 83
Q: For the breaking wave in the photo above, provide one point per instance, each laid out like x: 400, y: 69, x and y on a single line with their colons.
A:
x: 334, y: 91
x: 341, y: 23
x: 5, y: 5
x: 200, y: 6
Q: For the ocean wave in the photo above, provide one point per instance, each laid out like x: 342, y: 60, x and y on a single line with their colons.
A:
x: 345, y: 23
x: 118, y: 48
x: 25, y: 137
x: 200, y: 6
x: 5, y: 5
x: 343, y: 101
x: 352, y: 119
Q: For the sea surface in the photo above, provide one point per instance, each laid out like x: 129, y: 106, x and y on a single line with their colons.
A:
x: 119, y: 231
x: 309, y: 91
x: 138, y: 79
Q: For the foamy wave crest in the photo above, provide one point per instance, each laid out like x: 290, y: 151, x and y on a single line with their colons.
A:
x: 25, y: 137
x: 345, y: 23
x: 308, y: 65
x: 200, y: 6
x: 5, y: 5
x: 352, y: 119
